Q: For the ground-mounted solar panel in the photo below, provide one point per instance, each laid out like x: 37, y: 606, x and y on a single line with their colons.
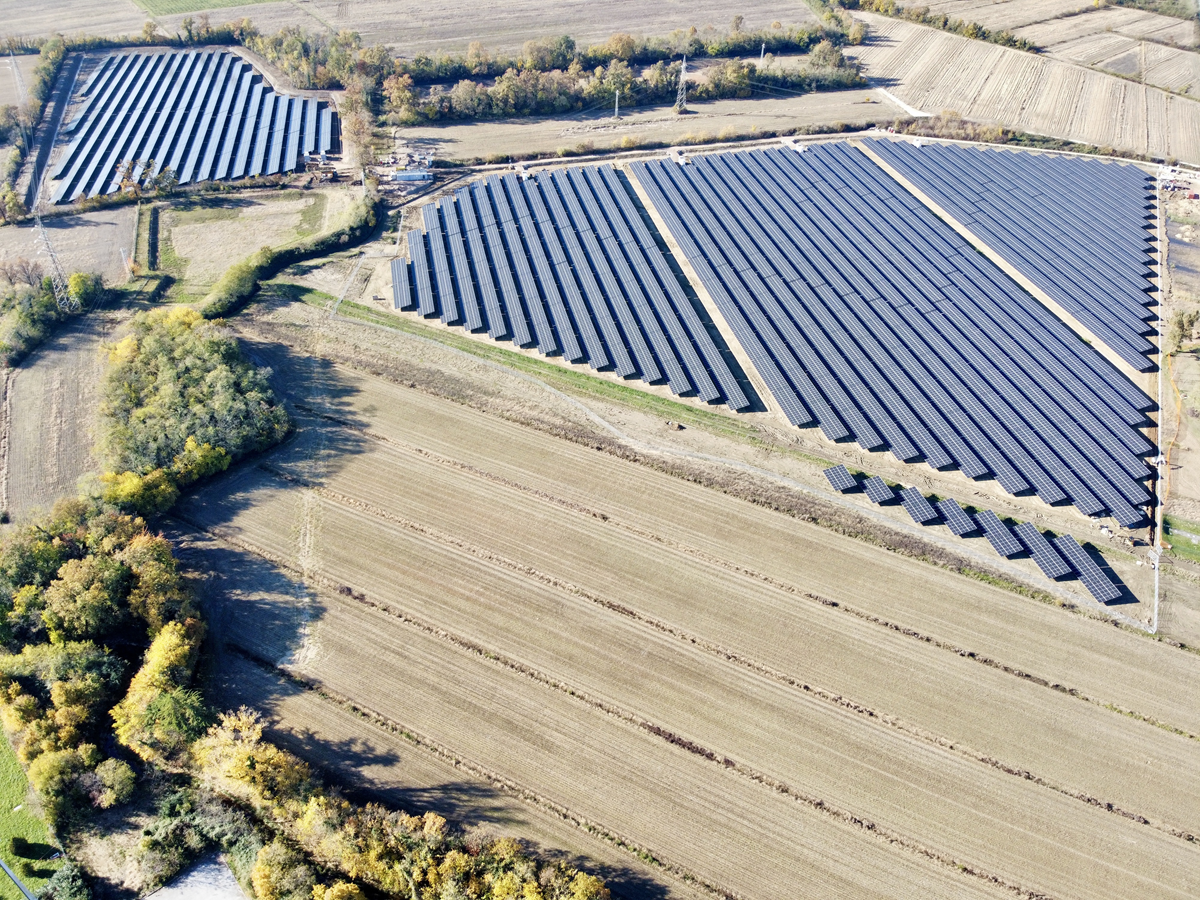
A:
x: 889, y: 329
x: 918, y: 507
x: 1074, y: 232
x: 956, y: 517
x: 1098, y: 584
x: 1043, y: 553
x: 999, y: 535
x: 203, y: 114
x: 402, y: 295
x: 840, y: 479
x: 877, y: 490
x: 544, y: 253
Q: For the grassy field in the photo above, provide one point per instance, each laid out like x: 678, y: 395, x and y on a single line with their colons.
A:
x: 199, y: 239
x: 23, y: 825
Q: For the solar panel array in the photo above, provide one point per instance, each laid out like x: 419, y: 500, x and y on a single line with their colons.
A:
x: 1074, y: 227
x: 869, y: 317
x: 1056, y: 557
x: 204, y: 114
x: 563, y: 262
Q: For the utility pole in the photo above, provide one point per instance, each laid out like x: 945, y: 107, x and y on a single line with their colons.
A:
x: 617, y: 105
x: 762, y: 54
x: 681, y: 94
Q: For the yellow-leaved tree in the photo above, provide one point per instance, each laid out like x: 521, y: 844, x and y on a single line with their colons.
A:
x: 159, y: 716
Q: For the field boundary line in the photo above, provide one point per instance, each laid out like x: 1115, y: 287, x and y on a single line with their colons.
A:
x: 718, y: 651
x: 637, y: 723
x: 1073, y: 601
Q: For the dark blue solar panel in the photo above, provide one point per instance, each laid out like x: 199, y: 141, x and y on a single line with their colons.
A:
x: 998, y: 534
x: 1092, y: 576
x: 840, y: 479
x: 877, y: 490
x: 956, y: 518
x: 918, y: 507
x: 1043, y: 553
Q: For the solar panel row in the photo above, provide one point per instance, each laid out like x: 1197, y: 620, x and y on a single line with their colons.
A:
x: 563, y: 262
x: 203, y: 114
x: 1075, y: 227
x: 868, y: 316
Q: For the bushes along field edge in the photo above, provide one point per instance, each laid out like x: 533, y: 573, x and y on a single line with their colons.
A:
x: 241, y: 280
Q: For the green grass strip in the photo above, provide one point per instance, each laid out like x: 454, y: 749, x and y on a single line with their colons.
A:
x: 567, y: 380
x: 21, y: 825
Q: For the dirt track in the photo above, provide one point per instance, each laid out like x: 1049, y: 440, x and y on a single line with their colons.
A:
x: 548, y: 608
x: 48, y: 415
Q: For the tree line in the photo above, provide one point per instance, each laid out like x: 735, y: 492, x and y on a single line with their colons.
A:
x: 29, y: 309
x: 101, y: 638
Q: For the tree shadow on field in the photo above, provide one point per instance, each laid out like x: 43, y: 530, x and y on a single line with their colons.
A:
x: 327, y: 429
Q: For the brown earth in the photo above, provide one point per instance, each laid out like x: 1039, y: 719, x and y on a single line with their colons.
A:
x: 643, y: 652
x: 48, y: 418
x: 936, y: 71
x: 411, y: 28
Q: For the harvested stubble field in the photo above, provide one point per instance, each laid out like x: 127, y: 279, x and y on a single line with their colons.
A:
x: 48, y: 416
x: 935, y: 71
x: 758, y: 702
x: 412, y: 28
x: 1134, y: 23
x: 86, y: 242
x: 709, y: 121
x: 104, y: 18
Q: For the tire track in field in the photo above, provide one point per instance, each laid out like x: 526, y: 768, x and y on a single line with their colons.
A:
x: 711, y: 648
x: 629, y: 719
x: 735, y: 568
x: 495, y: 779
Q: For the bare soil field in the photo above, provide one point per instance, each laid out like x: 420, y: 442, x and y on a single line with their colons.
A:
x: 412, y: 28
x: 1048, y: 32
x: 48, y: 415
x: 638, y: 650
x: 935, y: 71
x: 1008, y: 15
x: 86, y: 242
x: 105, y: 18
x: 709, y: 121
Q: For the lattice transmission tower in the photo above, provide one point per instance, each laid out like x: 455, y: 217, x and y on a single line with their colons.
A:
x: 58, y: 278
x: 681, y: 93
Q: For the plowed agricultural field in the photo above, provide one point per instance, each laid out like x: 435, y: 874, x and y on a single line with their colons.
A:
x: 697, y: 693
x: 935, y: 72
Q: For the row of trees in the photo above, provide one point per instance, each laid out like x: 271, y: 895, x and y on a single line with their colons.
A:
x: 531, y: 91
x: 396, y: 853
